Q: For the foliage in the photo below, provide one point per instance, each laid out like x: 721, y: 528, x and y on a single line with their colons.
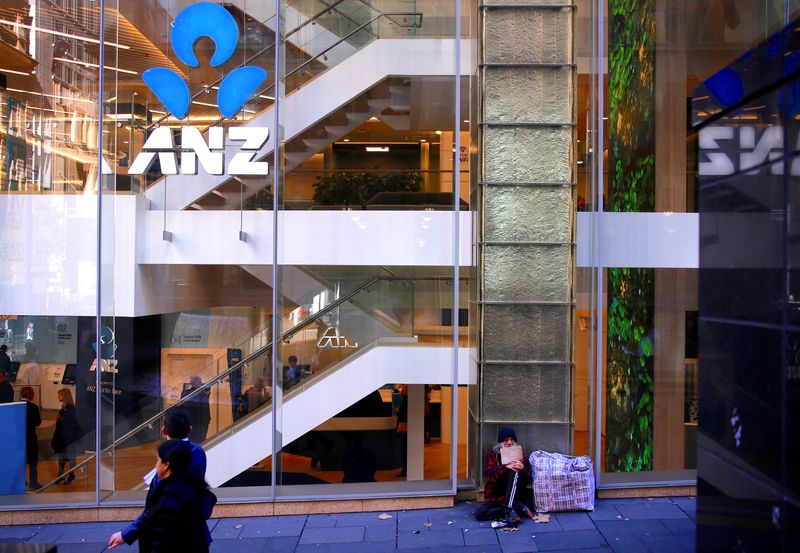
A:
x: 357, y: 188
x: 631, y: 292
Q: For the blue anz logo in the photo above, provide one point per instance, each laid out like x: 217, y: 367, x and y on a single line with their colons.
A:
x: 204, y: 20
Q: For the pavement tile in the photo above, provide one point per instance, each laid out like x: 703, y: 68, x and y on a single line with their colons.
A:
x: 427, y: 538
x: 271, y: 527
x: 535, y: 527
x: 380, y: 532
x: 333, y: 535
x: 365, y: 519
x: 612, y: 529
x: 604, y: 512
x: 689, y: 506
x: 321, y: 521
x: 464, y: 549
x: 680, y: 526
x: 48, y: 534
x: 251, y: 545
x: 82, y: 534
x: 343, y: 548
x: 521, y: 547
x: 575, y: 539
x: 605, y: 549
x: 18, y: 532
x: 523, y: 539
x: 651, y: 511
x: 85, y: 547
x: 632, y: 501
x: 668, y: 544
x: 480, y: 536
x: 575, y: 521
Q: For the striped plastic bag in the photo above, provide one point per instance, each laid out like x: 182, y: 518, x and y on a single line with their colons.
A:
x: 562, y: 482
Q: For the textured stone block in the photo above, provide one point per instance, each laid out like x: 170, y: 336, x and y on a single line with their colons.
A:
x: 527, y: 273
x: 528, y: 213
x: 532, y: 436
x: 528, y: 35
x: 541, y: 392
x: 520, y: 94
x: 527, y: 154
x: 526, y: 332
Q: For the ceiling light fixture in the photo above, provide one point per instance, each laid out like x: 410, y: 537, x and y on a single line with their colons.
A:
x: 14, y: 72
x: 61, y: 34
x: 87, y: 64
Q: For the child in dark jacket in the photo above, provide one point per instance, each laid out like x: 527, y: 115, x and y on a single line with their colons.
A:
x: 176, y: 510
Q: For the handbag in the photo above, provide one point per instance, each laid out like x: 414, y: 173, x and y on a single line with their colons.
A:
x: 562, y: 482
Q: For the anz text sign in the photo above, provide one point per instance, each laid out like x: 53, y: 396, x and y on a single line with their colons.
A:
x: 197, y: 21
x: 725, y: 150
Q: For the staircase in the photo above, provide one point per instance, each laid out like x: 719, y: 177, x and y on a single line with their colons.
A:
x: 373, y: 80
x: 313, y: 402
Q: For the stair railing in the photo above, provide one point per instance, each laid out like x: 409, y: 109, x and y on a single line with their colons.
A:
x: 321, y: 54
x: 218, y: 378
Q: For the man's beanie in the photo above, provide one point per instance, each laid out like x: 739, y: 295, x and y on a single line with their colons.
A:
x: 506, y: 432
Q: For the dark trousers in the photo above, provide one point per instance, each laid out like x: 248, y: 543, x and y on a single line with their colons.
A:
x: 492, y: 509
x: 33, y: 467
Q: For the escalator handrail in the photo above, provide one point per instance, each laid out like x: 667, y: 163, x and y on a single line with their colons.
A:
x: 328, y: 49
x: 221, y: 376
x: 288, y: 334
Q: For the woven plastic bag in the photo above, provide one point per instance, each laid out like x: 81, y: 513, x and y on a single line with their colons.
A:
x: 562, y: 482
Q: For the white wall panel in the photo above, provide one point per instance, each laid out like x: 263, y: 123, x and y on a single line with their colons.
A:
x: 655, y: 240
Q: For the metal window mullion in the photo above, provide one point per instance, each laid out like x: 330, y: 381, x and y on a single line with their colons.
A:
x: 456, y: 245
x: 277, y: 392
x: 98, y: 373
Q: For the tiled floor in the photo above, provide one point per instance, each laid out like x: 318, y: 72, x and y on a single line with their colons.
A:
x: 616, y: 526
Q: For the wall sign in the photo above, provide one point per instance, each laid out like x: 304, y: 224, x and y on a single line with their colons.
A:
x: 332, y: 339
x: 204, y: 20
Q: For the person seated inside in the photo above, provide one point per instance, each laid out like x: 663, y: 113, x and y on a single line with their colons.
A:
x: 508, y: 474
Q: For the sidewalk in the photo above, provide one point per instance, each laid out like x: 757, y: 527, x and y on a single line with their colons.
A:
x: 617, y: 525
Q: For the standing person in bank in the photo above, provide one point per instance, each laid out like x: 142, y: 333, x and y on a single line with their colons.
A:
x: 5, y: 361
x: 198, y: 409
x: 66, y: 435
x: 33, y: 419
x: 6, y: 390
x: 177, y: 507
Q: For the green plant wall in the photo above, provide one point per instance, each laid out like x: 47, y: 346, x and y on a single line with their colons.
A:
x: 631, y: 187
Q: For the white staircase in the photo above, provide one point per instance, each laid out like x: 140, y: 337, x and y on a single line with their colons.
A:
x: 311, y: 403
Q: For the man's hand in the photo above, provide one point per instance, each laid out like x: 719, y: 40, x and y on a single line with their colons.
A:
x: 115, y: 540
x: 516, y: 466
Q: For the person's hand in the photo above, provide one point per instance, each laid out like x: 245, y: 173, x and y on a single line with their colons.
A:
x: 115, y: 540
x: 516, y: 466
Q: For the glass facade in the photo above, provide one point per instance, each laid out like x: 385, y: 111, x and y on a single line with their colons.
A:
x: 308, y: 309
x: 269, y: 213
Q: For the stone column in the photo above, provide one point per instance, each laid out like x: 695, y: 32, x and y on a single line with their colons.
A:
x: 526, y: 244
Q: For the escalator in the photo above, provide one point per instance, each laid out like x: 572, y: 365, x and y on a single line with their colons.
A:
x: 353, y: 354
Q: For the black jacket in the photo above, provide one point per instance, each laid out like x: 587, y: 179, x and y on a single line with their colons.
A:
x: 32, y: 420
x: 6, y: 392
x: 174, y: 518
x: 67, y: 431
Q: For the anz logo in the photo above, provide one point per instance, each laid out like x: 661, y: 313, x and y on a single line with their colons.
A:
x: 204, y: 20
x: 727, y: 150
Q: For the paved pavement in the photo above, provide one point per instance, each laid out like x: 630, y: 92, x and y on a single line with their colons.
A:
x: 660, y: 525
